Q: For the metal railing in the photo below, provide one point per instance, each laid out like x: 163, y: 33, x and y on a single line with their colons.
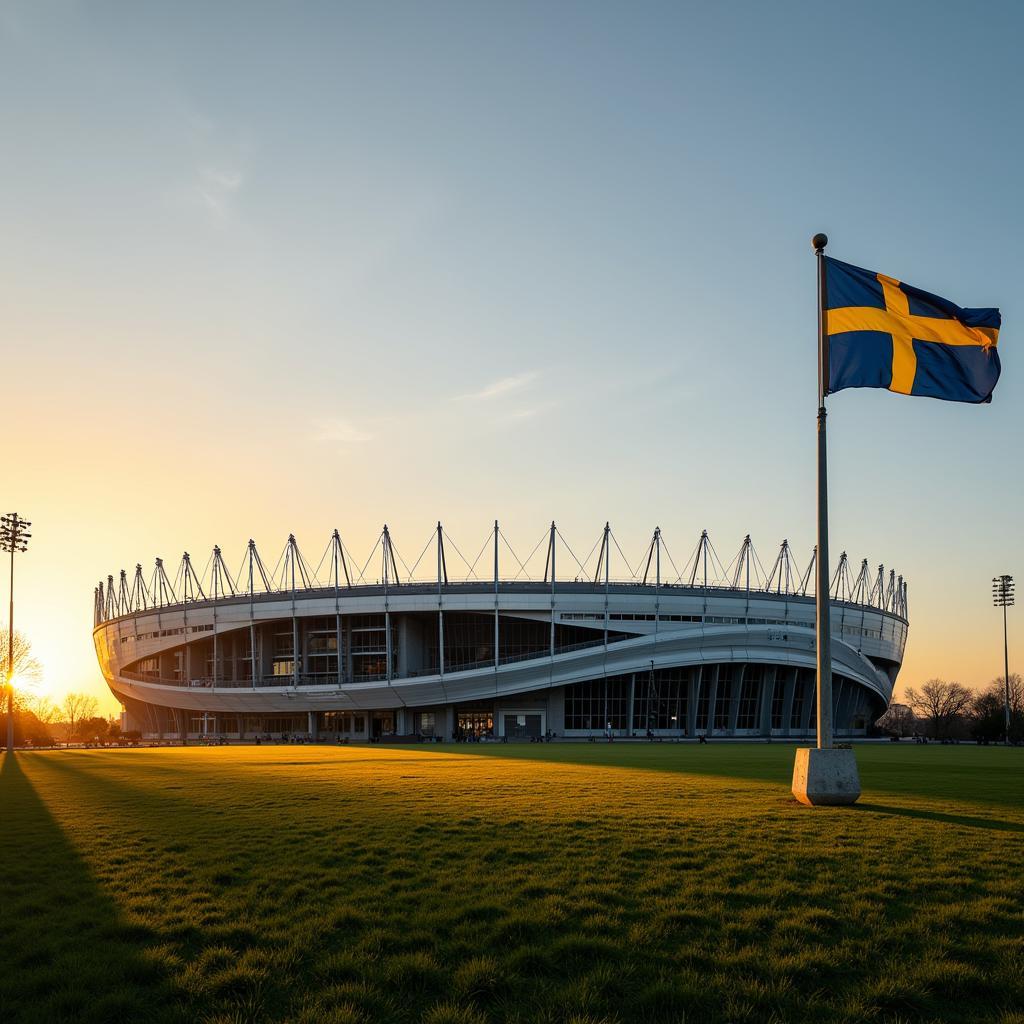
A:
x: 505, y: 586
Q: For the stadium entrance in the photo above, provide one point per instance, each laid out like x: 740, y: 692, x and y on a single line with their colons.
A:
x: 475, y: 724
x: 383, y: 724
x: 523, y: 725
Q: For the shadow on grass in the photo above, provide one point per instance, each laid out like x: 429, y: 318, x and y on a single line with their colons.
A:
x: 995, y: 824
x: 974, y: 775
x: 67, y: 954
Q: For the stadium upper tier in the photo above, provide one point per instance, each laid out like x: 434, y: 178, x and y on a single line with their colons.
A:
x: 285, y: 642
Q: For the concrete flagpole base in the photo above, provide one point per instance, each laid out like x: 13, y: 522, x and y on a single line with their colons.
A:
x: 825, y: 777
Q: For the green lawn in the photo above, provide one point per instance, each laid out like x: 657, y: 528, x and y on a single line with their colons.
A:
x: 558, y: 883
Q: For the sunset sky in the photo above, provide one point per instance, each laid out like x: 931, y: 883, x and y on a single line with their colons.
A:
x: 285, y: 268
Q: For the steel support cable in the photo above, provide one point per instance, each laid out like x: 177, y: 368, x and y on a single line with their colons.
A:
x: 350, y: 561
x: 648, y: 557
x: 241, y: 569
x: 753, y: 564
x: 139, y: 591
x: 793, y: 574
x: 459, y: 553
x: 693, y: 559
x: 304, y: 570
x: 189, y: 581
x: 715, y: 560
x: 262, y: 569
x: 327, y: 550
x: 668, y: 555
x: 165, y: 583
x: 487, y: 543
x: 590, y: 553
x: 545, y: 537
x: 430, y: 540
x: 738, y: 560
x: 558, y: 533
x: 806, y: 580
x: 622, y: 555
x: 280, y: 559
x: 759, y: 572
x: 179, y: 575
x: 395, y: 554
x: 842, y: 581
x: 209, y: 563
x: 522, y: 567
x: 366, y: 564
x: 778, y: 567
x: 223, y: 573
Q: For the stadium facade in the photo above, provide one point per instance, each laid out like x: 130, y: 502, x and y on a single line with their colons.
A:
x: 712, y: 650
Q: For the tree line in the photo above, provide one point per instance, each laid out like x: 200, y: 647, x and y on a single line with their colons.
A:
x: 943, y: 710
x: 38, y: 721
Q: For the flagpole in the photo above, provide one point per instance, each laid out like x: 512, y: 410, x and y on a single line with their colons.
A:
x: 821, y: 595
x: 825, y: 774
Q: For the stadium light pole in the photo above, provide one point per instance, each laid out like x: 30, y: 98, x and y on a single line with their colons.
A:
x: 1002, y: 597
x: 14, y: 537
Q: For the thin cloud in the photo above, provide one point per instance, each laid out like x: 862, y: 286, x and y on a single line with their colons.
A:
x: 339, y: 431
x: 501, y: 387
x: 216, y: 189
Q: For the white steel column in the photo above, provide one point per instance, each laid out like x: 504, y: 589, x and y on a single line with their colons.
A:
x: 496, y: 617
x: 387, y: 605
x: 184, y: 623
x: 295, y: 617
x: 552, y: 553
x: 441, y: 572
x: 252, y: 621
x: 657, y: 584
x: 336, y: 545
x: 216, y: 575
x: 607, y: 560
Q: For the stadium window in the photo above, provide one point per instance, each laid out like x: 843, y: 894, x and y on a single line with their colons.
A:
x: 149, y: 667
x: 750, y: 691
x: 723, y: 697
x: 704, y: 701
x: 594, y: 703
x: 778, y: 702
x: 660, y: 700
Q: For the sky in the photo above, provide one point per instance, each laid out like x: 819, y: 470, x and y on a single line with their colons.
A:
x: 271, y: 268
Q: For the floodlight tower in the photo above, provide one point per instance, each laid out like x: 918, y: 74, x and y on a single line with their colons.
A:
x: 14, y: 537
x: 1002, y: 597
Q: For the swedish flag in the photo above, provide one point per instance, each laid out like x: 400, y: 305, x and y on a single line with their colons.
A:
x: 882, y: 333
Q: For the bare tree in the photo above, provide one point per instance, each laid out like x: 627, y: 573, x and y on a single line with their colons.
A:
x: 26, y: 665
x: 989, y: 711
x: 998, y: 687
x: 77, y: 707
x: 42, y: 707
x: 940, y: 704
x: 898, y: 719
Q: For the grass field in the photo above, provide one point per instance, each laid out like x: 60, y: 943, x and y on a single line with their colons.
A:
x: 561, y: 883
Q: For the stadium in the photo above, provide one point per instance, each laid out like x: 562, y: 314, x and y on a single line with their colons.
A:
x: 330, y: 653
